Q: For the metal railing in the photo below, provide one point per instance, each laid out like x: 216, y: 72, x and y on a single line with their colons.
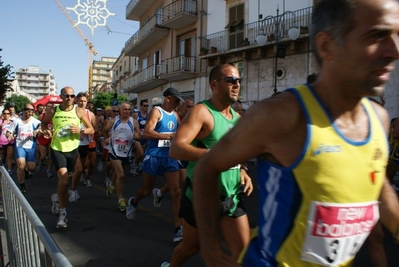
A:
x: 154, y: 21
x: 235, y: 37
x: 177, y: 7
x: 28, y: 242
x: 178, y: 64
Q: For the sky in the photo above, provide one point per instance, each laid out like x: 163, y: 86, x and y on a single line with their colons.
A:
x: 36, y: 32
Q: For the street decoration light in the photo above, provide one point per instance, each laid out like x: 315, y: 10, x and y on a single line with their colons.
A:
x: 293, y: 34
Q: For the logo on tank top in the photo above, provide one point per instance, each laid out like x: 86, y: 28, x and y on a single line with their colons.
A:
x: 171, y: 125
x: 374, y: 165
x: 327, y: 149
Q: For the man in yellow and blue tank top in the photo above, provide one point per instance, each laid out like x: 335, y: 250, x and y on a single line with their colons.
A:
x: 322, y: 149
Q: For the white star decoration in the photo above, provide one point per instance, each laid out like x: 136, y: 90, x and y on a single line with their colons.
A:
x: 93, y: 13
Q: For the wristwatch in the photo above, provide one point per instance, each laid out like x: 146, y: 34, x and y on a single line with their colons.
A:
x: 82, y: 130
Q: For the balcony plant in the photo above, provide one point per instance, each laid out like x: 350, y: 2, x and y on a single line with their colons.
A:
x: 203, y: 51
x: 304, y: 29
x: 214, y: 49
x: 245, y: 42
x: 270, y: 37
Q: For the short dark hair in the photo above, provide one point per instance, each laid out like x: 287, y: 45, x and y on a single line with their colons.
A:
x: 335, y: 17
x: 143, y: 101
x: 39, y: 105
x: 81, y: 95
x: 216, y: 72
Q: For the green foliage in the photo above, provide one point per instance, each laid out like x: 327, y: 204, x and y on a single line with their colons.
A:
x: 5, y: 79
x: 101, y: 100
x: 19, y: 102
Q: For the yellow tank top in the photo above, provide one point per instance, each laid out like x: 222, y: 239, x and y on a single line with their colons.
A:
x: 63, y: 140
x: 319, y: 211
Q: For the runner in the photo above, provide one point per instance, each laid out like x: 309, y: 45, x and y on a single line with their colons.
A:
x: 66, y: 119
x: 24, y: 131
x: 7, y: 143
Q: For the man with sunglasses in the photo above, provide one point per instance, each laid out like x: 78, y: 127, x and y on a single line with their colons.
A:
x: 203, y: 126
x: 24, y: 131
x: 66, y: 119
x: 321, y: 149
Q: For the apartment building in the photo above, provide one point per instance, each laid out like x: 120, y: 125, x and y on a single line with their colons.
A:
x: 34, y: 82
x: 180, y: 41
x: 123, y: 68
x: 102, y: 74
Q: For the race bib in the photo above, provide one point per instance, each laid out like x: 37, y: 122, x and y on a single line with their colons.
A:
x: 121, y: 144
x: 335, y: 232
x: 164, y: 143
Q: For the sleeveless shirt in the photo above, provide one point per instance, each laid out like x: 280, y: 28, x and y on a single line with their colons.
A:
x: 319, y: 210
x: 63, y: 140
x: 166, y: 124
x: 121, y: 141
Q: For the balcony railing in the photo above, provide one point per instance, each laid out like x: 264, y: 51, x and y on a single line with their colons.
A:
x: 178, y: 64
x: 234, y: 37
x: 136, y: 8
x: 179, y: 13
x: 144, y: 80
x: 151, y: 29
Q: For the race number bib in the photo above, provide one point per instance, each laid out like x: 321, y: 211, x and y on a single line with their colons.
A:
x: 164, y: 143
x: 121, y: 144
x: 335, y: 232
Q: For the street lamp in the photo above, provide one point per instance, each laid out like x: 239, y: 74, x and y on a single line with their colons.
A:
x: 293, y: 34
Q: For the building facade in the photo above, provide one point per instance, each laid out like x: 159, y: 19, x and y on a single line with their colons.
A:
x: 123, y: 68
x: 34, y: 83
x: 102, y: 74
x: 180, y: 41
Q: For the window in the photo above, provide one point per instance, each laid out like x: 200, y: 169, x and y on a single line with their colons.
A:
x: 236, y: 26
x: 240, y: 67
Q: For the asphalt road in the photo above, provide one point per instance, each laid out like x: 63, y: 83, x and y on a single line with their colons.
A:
x: 99, y: 235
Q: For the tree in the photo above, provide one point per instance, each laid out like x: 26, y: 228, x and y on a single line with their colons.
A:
x: 5, y: 79
x: 19, y: 102
x: 101, y: 100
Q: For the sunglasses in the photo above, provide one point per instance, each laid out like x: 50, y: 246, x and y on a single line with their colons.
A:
x: 115, y: 111
x: 68, y: 96
x: 230, y: 79
x: 146, y: 106
x: 29, y: 109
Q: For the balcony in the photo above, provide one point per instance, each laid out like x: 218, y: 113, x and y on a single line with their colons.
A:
x: 179, y: 14
x: 233, y: 39
x: 144, y: 80
x: 178, y: 68
x: 136, y: 8
x: 150, y: 33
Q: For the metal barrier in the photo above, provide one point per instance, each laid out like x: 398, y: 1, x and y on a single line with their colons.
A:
x: 28, y: 242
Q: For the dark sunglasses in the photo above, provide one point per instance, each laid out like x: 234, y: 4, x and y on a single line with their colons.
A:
x: 115, y: 111
x: 229, y: 79
x: 29, y: 109
x: 68, y: 96
x: 146, y: 106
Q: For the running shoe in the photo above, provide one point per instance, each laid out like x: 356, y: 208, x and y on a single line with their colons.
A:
x: 122, y: 204
x: 100, y: 166
x: 55, y: 209
x: 133, y: 169
x: 88, y: 183
x: 9, y: 173
x: 22, y: 188
x: 157, y: 200
x: 106, y: 181
x: 62, y: 220
x: 30, y: 174
x: 165, y: 264
x: 178, y: 237
x: 49, y: 174
x: 73, y: 195
x: 131, y: 209
x: 110, y: 188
